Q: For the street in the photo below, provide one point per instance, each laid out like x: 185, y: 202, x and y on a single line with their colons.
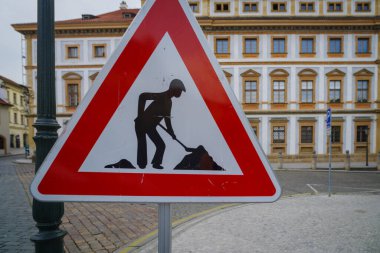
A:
x: 107, y: 227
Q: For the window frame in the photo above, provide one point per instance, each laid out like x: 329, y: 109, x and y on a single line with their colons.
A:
x: 223, y: 5
x: 248, y: 55
x: 313, y: 53
x: 250, y: 75
x: 279, y: 75
x: 250, y: 4
x: 94, y: 46
x: 362, y: 4
x: 278, y: 147
x: 360, y: 146
x: 307, y: 75
x: 335, y: 4
x: 364, y: 54
x: 335, y: 75
x: 306, y: 147
x: 72, y: 78
x: 68, y: 84
x: 67, y: 50
x: 307, y: 4
x: 363, y: 75
x: 222, y: 55
x: 279, y: 4
x: 335, y: 54
x: 279, y: 54
x: 196, y: 3
x: 336, y: 147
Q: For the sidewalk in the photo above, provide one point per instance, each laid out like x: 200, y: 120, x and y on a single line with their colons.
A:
x: 341, y: 223
x: 13, y: 151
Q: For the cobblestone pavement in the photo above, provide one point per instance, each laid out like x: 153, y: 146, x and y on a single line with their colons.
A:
x: 104, y: 227
x: 16, y: 223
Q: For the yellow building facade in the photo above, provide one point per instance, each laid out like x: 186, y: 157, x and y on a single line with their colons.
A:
x: 287, y: 61
x: 17, y: 96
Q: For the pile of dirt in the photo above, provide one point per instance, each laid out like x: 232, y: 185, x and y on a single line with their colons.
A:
x: 198, y: 159
x: 122, y: 164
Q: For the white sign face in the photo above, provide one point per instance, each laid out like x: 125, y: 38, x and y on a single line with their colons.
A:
x: 191, y: 120
x: 160, y: 124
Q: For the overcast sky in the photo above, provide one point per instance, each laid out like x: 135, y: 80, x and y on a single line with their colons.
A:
x: 25, y: 11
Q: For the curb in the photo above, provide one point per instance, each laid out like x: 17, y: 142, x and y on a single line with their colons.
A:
x: 143, y: 240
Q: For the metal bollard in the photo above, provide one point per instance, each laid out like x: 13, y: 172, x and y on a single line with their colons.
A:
x: 314, y: 163
x: 378, y: 161
x: 280, y: 160
x: 347, y: 162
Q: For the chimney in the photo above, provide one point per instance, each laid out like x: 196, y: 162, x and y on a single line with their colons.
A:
x: 123, y: 5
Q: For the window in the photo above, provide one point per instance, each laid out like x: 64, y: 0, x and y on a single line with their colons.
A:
x: 250, y: 46
x: 306, y: 7
x: 15, y: 118
x: 279, y: 80
x: 306, y: 134
x: 222, y: 7
x: 72, y: 52
x: 250, y: 96
x: 250, y: 91
x: 362, y: 91
x: 279, y: 46
x: 335, y: 7
x: 278, y: 7
x: 278, y: 91
x: 254, y: 128
x: 307, y: 46
x: 307, y: 80
x: 21, y: 100
x: 363, y: 79
x: 335, y: 134
x: 73, y: 94
x: 278, y: 134
x: 99, y: 51
x: 362, y: 133
x: 222, y: 46
x: 335, y: 45
x: 194, y: 6
x: 22, y: 120
x: 334, y: 91
x: 307, y: 91
x: 15, y: 98
x: 363, y: 45
x: 363, y: 6
x: 250, y: 7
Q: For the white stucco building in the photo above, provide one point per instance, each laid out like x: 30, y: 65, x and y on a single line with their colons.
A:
x: 287, y: 61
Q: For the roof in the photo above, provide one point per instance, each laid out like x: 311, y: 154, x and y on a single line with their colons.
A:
x: 3, y: 102
x: 115, y: 16
x: 110, y: 17
x: 9, y: 81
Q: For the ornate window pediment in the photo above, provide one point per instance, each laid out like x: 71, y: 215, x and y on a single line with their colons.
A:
x: 72, y: 76
x: 250, y: 73
x: 363, y: 72
x: 93, y: 76
x: 336, y: 72
x: 279, y: 73
x: 307, y: 72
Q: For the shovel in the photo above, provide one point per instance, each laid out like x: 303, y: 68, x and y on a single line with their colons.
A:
x: 183, y: 145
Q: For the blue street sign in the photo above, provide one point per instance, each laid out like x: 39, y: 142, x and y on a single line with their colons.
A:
x: 328, y: 120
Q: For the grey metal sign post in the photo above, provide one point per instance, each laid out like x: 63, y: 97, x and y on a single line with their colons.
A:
x: 328, y: 126
x: 164, y: 228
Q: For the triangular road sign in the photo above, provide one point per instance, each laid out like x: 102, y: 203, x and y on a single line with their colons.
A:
x: 162, y: 95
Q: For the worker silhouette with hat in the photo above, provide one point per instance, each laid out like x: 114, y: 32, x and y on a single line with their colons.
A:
x: 148, y: 119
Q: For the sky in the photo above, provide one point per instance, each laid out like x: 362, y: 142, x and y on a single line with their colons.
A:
x: 25, y: 11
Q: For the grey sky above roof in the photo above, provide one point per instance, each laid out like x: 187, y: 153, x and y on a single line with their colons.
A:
x: 25, y: 11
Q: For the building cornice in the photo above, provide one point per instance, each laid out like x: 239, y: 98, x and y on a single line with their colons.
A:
x: 321, y: 23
